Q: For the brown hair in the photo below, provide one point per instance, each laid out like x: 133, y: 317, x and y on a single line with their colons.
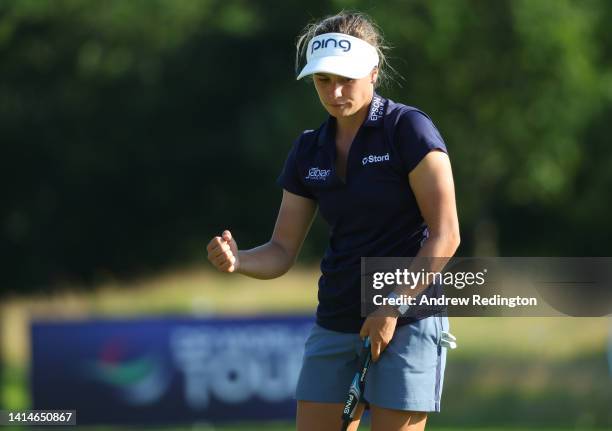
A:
x: 355, y: 24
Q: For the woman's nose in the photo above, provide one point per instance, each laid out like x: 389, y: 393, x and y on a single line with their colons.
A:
x: 337, y: 91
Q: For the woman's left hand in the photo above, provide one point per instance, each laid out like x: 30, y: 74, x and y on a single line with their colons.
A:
x: 380, y: 329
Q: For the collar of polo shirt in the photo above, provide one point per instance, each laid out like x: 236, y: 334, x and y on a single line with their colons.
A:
x: 339, y: 54
x: 376, y: 114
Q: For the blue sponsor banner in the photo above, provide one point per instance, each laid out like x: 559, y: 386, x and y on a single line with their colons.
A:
x: 164, y: 371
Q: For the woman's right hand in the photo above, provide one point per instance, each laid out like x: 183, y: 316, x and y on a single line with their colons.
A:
x: 223, y: 252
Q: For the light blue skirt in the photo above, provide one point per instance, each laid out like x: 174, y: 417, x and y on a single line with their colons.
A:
x: 408, y: 376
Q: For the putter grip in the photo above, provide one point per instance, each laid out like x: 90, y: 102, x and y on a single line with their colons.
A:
x: 365, y: 355
x: 358, y: 383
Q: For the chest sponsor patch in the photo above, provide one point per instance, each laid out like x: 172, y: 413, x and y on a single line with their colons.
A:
x: 375, y: 159
x: 317, y: 174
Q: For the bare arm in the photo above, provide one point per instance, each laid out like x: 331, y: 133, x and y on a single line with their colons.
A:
x: 275, y: 257
x: 432, y: 184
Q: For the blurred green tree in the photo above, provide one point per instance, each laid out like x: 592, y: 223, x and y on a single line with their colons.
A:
x: 134, y: 131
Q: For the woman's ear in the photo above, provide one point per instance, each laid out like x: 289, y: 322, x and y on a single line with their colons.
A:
x: 374, y: 75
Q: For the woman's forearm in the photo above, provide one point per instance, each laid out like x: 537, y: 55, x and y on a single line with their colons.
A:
x: 440, y: 245
x: 432, y: 257
x: 269, y: 260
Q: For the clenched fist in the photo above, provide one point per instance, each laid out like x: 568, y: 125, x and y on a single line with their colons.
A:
x: 223, y: 252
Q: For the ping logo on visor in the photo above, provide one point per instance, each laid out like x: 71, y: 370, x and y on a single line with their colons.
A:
x: 344, y: 44
x: 340, y: 54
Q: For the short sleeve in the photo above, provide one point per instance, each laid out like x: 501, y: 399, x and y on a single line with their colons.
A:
x: 416, y: 136
x: 289, y: 178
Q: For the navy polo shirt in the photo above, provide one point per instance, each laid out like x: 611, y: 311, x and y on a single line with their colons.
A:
x: 374, y: 211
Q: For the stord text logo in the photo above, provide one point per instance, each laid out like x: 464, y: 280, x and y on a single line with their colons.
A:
x: 317, y: 174
x: 324, y: 43
x: 374, y: 159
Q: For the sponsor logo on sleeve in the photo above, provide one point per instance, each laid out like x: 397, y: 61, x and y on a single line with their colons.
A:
x: 318, y: 174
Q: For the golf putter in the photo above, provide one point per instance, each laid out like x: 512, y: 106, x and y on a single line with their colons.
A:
x: 357, y: 385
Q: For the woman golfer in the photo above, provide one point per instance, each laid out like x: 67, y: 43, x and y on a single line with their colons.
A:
x: 379, y: 174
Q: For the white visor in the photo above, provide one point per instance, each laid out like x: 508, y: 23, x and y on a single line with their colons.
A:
x: 339, y: 54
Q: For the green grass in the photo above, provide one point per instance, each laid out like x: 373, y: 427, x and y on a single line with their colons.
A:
x: 14, y: 391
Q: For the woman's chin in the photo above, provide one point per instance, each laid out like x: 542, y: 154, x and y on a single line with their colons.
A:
x: 340, y: 111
